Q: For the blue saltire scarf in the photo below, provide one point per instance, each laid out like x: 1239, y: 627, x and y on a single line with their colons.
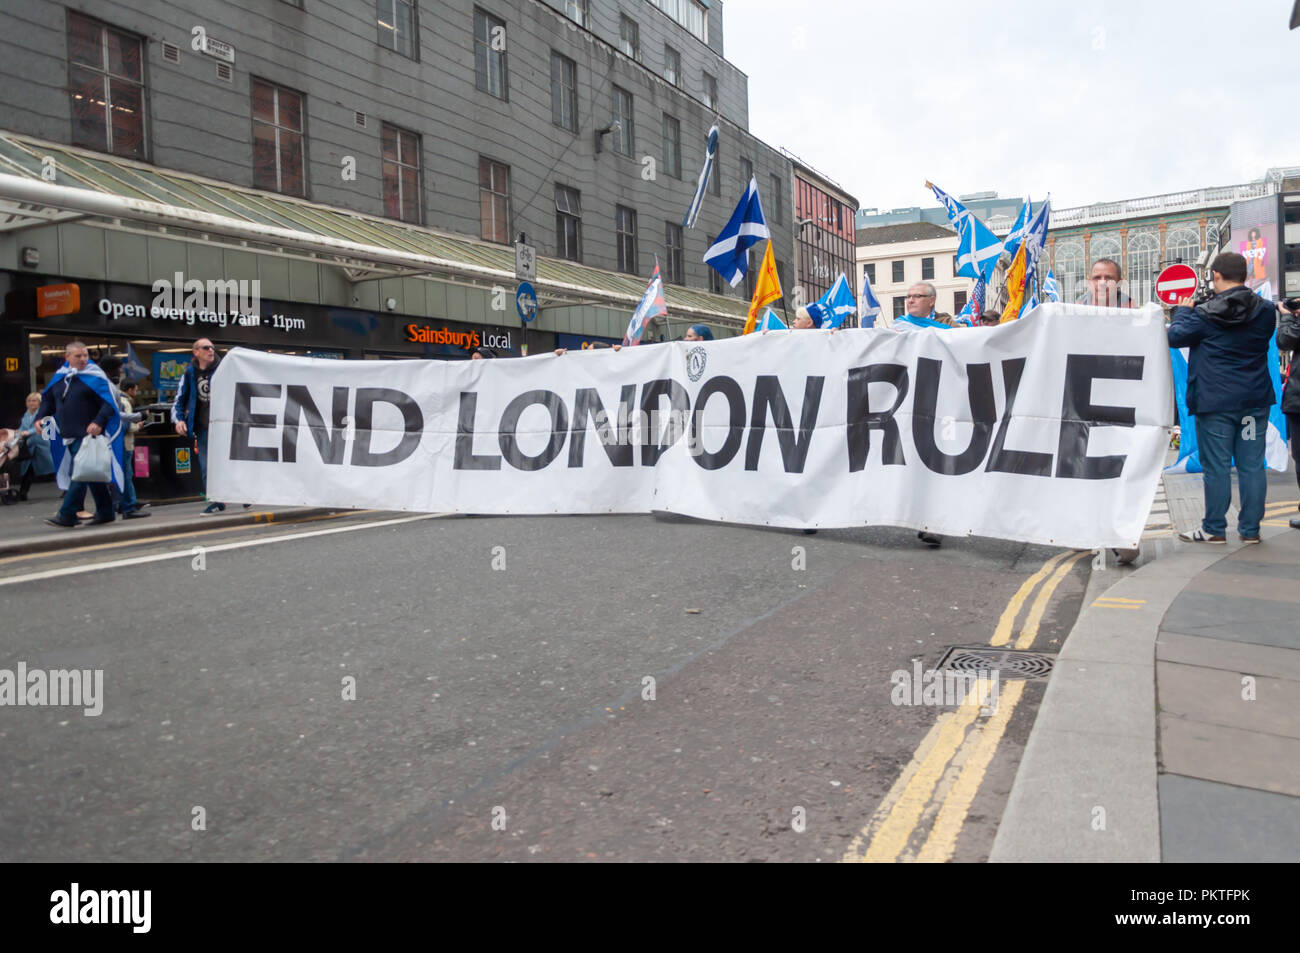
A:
x: 95, y: 378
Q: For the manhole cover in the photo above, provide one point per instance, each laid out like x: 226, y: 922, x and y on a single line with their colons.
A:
x: 1008, y: 663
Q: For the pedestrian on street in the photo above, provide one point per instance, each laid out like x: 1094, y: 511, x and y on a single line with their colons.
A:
x: 919, y: 313
x: 128, y: 505
x: 1103, y: 286
x: 36, y: 460
x: 1229, y: 392
x: 1288, y: 339
x: 191, y: 409
x: 80, y: 399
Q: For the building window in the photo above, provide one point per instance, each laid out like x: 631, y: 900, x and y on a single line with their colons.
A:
x: 278, y: 147
x: 564, y: 92
x: 955, y: 266
x: 401, y: 167
x: 625, y: 238
x: 568, y: 223
x: 715, y: 279
x: 897, y: 272
x: 672, y: 147
x: 629, y: 37
x: 1069, y: 265
x: 674, y: 273
x: 672, y: 66
x: 1182, y: 244
x: 490, y: 54
x: 927, y: 269
x: 746, y: 171
x: 494, y: 200
x: 397, y: 26
x: 689, y: 13
x: 869, y: 270
x: 106, y: 82
x: 1143, y: 264
x: 621, y: 113
x: 778, y: 201
x: 958, y: 301
x: 900, y: 306
x: 715, y: 180
x: 710, y: 91
x: 576, y: 10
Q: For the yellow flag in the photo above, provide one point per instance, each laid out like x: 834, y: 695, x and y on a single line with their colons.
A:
x: 766, y: 289
x: 1015, y: 286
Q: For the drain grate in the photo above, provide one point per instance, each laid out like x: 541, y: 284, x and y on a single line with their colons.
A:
x: 1009, y: 663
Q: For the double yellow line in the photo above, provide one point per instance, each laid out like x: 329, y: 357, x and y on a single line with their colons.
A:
x: 946, y: 771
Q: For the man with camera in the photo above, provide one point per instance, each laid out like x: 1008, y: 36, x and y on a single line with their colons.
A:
x: 1229, y: 392
x: 1288, y: 339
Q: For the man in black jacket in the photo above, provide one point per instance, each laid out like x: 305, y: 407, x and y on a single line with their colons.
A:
x: 1229, y: 391
x: 1288, y: 339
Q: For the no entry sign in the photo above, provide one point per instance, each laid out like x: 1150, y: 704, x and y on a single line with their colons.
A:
x: 1175, y: 282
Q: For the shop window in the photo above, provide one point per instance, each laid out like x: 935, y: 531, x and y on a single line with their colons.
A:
x: 494, y: 200
x: 106, y: 84
x: 401, y: 167
x: 278, y: 142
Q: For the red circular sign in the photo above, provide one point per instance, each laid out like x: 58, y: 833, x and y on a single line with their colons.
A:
x: 1175, y: 283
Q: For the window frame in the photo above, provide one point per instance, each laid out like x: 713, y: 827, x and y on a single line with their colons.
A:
x: 417, y: 167
x: 414, y: 6
x: 897, y: 271
x: 490, y: 190
x: 672, y: 56
x: 625, y: 239
x: 676, y: 270
x: 710, y: 91
x: 673, y: 168
x: 558, y: 90
x: 927, y: 264
x: 624, y: 137
x: 563, y: 216
x: 625, y: 21
x: 581, y: 7
x: 778, y: 208
x: 103, y: 70
x: 483, y: 47
x: 301, y: 133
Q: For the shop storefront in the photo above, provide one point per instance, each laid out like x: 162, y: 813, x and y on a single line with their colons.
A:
x: 153, y: 339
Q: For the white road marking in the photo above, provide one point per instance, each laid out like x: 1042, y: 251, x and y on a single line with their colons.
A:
x: 218, y: 548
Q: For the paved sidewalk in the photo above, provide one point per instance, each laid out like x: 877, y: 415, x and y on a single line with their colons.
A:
x: 1171, y: 727
x: 23, y: 529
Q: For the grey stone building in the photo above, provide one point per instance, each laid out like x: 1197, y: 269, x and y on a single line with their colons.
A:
x: 377, y: 157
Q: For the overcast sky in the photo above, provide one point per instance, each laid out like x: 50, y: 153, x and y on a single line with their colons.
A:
x: 1020, y: 96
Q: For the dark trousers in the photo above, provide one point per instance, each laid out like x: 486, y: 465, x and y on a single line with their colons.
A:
x: 1293, y: 431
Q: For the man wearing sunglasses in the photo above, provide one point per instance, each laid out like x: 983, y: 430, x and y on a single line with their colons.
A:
x: 190, y: 409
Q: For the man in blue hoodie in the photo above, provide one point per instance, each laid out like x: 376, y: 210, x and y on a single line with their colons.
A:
x: 1229, y: 391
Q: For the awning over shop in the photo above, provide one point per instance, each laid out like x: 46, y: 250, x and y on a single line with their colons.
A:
x: 115, y: 193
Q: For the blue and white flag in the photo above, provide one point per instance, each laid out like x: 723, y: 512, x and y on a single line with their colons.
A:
x: 830, y: 310
x: 729, y: 255
x: 133, y: 368
x: 771, y: 322
x: 978, y: 249
x: 868, y: 305
x: 1051, y: 288
x: 651, y: 306
x: 94, y: 377
x: 1018, y: 230
x: 1275, y: 441
x: 1035, y: 243
x: 710, y: 150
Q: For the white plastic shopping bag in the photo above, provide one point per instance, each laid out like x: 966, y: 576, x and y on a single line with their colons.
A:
x: 93, y: 462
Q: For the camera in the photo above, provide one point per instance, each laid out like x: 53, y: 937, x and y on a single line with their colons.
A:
x: 1291, y: 304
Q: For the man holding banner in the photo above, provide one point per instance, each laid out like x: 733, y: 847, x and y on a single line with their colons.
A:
x: 1229, y: 391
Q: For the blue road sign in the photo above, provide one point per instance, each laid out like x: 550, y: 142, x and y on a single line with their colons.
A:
x: 526, y: 301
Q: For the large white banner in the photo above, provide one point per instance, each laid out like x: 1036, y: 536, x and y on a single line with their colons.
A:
x: 1051, y: 429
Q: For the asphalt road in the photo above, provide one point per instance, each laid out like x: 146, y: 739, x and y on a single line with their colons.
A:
x: 514, y: 694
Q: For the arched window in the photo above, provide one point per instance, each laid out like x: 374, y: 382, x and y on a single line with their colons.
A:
x: 1212, y: 235
x: 1069, y: 269
x: 1105, y: 245
x: 1143, y: 264
x: 1183, y: 243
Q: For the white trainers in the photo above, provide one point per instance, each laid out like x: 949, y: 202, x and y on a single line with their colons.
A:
x: 1199, y: 536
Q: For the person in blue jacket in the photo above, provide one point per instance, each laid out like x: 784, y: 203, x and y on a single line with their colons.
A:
x: 39, y: 462
x: 1229, y: 392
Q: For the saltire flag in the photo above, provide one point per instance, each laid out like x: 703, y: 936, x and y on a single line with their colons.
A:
x: 652, y: 306
x: 133, y: 368
x: 1275, y: 440
x: 710, y: 150
x: 94, y: 377
x: 868, y: 305
x: 729, y: 255
x: 906, y: 321
x: 1016, y: 276
x: 830, y: 310
x: 1051, y: 288
x: 766, y: 289
x: 978, y: 249
x: 771, y: 322
x: 974, y: 306
x: 1017, y: 234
